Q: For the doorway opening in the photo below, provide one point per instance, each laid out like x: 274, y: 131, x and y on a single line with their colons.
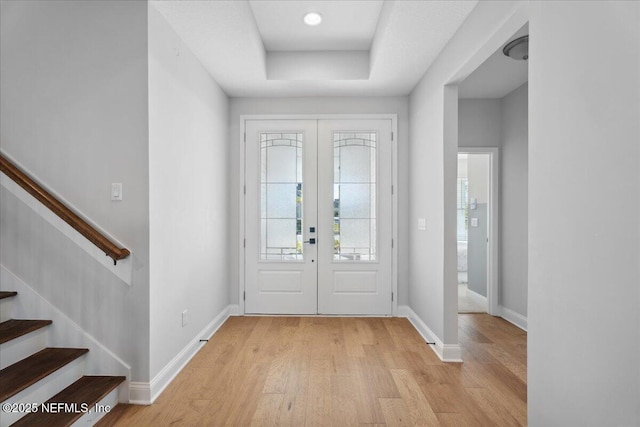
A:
x: 492, y: 112
x: 473, y: 231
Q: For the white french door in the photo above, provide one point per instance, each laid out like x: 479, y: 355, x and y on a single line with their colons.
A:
x: 281, y: 270
x: 318, y: 216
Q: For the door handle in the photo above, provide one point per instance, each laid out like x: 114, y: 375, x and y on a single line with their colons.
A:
x: 311, y: 241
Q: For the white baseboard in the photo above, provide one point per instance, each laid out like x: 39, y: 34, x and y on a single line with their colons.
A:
x: 139, y: 393
x: 446, y: 352
x: 143, y: 393
x: 512, y: 317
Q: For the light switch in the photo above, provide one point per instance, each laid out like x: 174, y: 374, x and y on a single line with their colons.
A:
x: 474, y: 222
x: 422, y: 224
x: 473, y: 203
x: 116, y: 191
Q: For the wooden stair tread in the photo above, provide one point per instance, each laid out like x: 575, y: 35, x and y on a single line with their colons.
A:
x: 28, y: 371
x: 113, y: 417
x: 14, y: 328
x: 87, y: 390
x: 7, y: 294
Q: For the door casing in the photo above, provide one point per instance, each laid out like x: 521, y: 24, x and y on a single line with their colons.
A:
x: 242, y: 189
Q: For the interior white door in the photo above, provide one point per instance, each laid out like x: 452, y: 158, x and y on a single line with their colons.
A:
x: 280, y: 206
x: 355, y: 217
x: 318, y: 209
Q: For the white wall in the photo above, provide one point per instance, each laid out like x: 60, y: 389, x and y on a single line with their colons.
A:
x: 583, y: 302
x: 478, y: 174
x: 584, y: 188
x: 73, y: 112
x: 513, y: 201
x: 188, y: 194
x: 463, y: 163
x: 320, y: 105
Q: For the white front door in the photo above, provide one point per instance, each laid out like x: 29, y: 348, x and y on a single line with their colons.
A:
x: 318, y: 209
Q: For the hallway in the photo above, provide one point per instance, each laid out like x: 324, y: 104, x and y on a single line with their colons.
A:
x: 343, y: 371
x: 134, y: 115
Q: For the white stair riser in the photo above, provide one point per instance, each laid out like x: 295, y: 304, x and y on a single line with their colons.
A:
x: 44, y: 389
x: 93, y: 416
x: 64, y: 332
x: 6, y: 309
x: 22, y: 347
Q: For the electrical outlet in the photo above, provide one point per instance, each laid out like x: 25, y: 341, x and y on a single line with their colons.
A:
x: 184, y: 318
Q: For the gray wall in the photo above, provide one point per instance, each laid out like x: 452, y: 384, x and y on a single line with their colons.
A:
x: 514, y: 201
x: 117, y: 104
x: 477, y: 251
x: 584, y: 188
x: 73, y: 112
x: 328, y: 105
x: 189, y: 180
x: 479, y: 122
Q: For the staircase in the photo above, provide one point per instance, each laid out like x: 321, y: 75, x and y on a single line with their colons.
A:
x: 46, y: 386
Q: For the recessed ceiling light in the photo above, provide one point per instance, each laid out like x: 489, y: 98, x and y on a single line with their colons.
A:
x: 312, y: 19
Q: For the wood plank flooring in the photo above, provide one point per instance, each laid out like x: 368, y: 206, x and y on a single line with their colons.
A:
x: 326, y: 371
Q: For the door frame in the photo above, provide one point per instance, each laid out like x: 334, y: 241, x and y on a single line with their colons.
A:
x: 493, y: 223
x: 242, y: 190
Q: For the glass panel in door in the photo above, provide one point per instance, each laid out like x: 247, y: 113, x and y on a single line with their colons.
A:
x: 281, y: 197
x: 354, y: 184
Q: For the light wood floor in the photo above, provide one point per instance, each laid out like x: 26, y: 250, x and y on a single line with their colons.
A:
x: 307, y: 371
